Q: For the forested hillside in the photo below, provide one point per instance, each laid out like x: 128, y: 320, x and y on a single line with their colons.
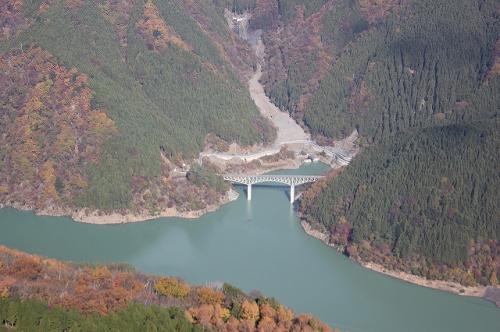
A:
x: 419, y: 81
x: 38, y: 294
x: 425, y: 202
x: 94, y: 92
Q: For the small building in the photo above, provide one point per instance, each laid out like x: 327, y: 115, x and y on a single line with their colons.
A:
x: 312, y: 159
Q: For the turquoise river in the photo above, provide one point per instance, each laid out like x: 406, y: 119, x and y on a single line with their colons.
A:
x: 257, y: 245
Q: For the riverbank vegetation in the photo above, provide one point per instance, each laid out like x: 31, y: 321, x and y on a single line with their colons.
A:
x: 112, y: 86
x: 38, y: 293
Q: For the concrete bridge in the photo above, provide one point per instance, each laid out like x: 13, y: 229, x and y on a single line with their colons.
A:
x: 291, y: 180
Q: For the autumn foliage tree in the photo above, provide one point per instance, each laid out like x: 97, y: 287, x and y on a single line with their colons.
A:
x: 170, y: 286
x: 49, y: 180
x: 11, y: 17
x: 155, y: 31
x: 207, y: 295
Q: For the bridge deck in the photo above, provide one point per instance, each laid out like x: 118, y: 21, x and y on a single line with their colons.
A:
x: 285, y: 179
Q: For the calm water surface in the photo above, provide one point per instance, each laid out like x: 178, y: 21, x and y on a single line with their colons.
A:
x: 257, y: 245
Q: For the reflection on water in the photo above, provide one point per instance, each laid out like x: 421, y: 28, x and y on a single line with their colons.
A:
x: 249, y: 210
x: 256, y: 245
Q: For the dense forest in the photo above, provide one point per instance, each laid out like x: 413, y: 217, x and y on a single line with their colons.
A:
x: 422, y: 65
x: 419, y: 81
x: 31, y: 315
x: 380, y: 67
x: 425, y: 202
x: 48, y: 295
x: 163, y: 74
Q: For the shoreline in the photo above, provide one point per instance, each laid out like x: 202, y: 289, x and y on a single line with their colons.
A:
x: 97, y: 218
x: 442, y: 285
x: 117, y: 218
x: 94, y: 217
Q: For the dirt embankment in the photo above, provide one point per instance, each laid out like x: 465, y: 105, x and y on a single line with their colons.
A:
x: 289, y: 133
x: 102, y: 218
x: 288, y: 129
x: 117, y: 218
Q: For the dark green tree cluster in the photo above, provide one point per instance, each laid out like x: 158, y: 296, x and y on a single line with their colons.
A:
x: 286, y: 93
x: 341, y: 25
x: 287, y: 8
x: 202, y: 176
x: 32, y: 315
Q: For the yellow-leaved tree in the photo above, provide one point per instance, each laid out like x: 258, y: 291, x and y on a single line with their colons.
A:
x: 249, y: 310
x: 493, y: 278
x: 170, y: 286
x: 209, y: 296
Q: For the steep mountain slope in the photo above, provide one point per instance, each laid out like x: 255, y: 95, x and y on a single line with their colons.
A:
x: 97, y: 298
x: 377, y: 66
x: 161, y: 77
x: 419, y: 82
x: 422, y: 65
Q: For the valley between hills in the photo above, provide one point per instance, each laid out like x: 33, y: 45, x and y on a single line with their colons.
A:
x: 121, y: 111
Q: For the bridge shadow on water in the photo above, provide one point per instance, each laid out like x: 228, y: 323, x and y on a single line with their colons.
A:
x: 277, y: 188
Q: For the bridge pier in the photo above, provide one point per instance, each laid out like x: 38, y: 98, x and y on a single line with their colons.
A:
x: 292, y: 193
x: 249, y: 192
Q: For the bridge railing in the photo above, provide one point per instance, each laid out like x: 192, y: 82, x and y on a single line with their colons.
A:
x: 285, y: 179
x: 291, y: 180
